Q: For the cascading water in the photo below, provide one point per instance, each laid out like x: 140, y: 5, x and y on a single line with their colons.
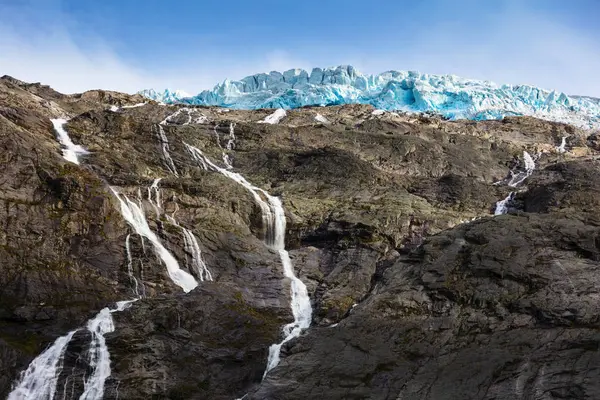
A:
x: 516, y: 179
x: 563, y: 145
x: 98, y: 354
x: 231, y: 140
x: 40, y: 380
x: 198, y: 264
x: 154, y: 190
x: 190, y: 242
x: 71, y: 151
x: 502, y: 205
x: 132, y: 278
x: 230, y: 146
x: 519, y: 177
x: 165, y: 149
x: 41, y: 377
x: 165, y: 141
x: 275, y: 223
x: 134, y: 215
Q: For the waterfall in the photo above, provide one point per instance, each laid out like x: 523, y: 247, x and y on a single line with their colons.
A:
x: 230, y: 146
x: 519, y: 177
x: 267, y: 215
x: 39, y: 381
x: 134, y: 215
x: 132, y: 278
x: 165, y: 149
x: 563, y: 145
x: 192, y: 247
x: 98, y: 354
x: 502, y: 205
x: 275, y: 223
x: 231, y: 141
x: 516, y: 179
x: 71, y: 151
x: 153, y: 189
x: 190, y: 242
x: 165, y: 141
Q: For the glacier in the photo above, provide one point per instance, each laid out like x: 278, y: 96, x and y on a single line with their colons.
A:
x: 447, y: 95
x: 166, y: 96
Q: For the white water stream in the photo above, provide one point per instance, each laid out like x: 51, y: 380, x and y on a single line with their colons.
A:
x: 98, y: 354
x: 516, y: 179
x: 275, y: 225
x: 41, y: 377
x: 563, y: 145
x: 132, y: 278
x: 134, y: 215
x: 165, y: 141
x: 230, y: 146
x: 189, y: 239
x: 521, y: 176
x: 71, y: 151
x: 39, y: 381
x: 502, y: 205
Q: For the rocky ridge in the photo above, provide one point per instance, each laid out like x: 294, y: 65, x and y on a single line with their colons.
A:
x: 418, y: 291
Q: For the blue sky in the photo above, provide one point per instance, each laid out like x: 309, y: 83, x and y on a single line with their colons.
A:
x: 128, y: 45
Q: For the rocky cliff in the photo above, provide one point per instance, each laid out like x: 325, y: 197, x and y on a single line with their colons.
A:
x: 417, y: 290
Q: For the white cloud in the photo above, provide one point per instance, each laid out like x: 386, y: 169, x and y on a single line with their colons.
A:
x: 56, y: 60
x: 45, y: 51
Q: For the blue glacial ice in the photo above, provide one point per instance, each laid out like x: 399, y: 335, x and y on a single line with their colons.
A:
x: 447, y: 95
x: 166, y: 96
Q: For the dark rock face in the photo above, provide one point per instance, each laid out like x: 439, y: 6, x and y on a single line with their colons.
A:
x: 502, y: 308
x: 410, y: 299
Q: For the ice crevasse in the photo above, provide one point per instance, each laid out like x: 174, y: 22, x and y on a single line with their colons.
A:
x: 447, y: 95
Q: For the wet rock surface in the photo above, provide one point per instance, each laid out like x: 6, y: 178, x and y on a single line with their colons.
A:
x: 418, y: 291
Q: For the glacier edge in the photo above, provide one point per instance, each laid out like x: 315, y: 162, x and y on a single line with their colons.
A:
x: 447, y: 95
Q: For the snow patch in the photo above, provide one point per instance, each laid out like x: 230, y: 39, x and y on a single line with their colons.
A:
x: 274, y: 118
x: 321, y: 119
x: 135, y: 105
